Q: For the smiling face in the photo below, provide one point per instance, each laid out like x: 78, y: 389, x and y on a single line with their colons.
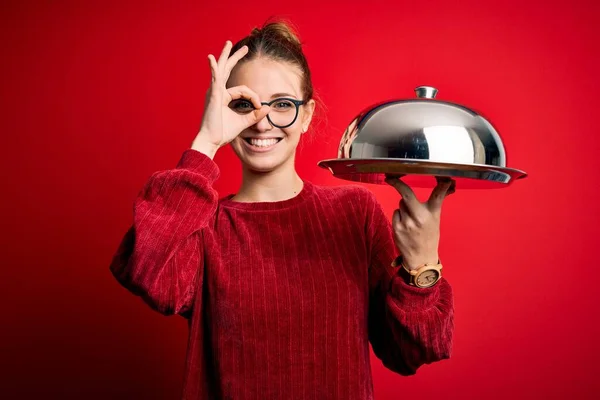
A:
x: 264, y: 147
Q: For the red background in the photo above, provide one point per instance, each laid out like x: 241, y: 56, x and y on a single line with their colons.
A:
x: 96, y: 96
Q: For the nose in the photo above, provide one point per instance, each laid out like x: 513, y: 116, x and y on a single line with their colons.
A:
x: 263, y: 125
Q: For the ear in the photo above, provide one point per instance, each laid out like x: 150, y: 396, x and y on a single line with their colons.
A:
x: 309, y: 110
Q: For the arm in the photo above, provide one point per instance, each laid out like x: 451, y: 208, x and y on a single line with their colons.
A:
x: 408, y: 326
x: 161, y: 256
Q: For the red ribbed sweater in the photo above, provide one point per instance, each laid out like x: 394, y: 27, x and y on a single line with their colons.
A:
x: 282, y: 298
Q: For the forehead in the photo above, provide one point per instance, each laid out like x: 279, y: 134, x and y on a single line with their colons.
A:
x: 267, y: 77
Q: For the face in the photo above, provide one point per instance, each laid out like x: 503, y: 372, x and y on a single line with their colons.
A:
x: 427, y: 278
x: 263, y: 147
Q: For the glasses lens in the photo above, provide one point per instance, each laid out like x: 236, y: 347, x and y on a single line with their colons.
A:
x: 282, y: 112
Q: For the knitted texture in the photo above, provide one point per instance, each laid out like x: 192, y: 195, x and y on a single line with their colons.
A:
x: 282, y: 298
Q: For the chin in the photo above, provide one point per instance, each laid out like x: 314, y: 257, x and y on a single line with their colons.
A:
x: 262, y: 164
x: 261, y: 167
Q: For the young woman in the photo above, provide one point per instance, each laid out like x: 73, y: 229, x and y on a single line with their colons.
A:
x: 285, y: 283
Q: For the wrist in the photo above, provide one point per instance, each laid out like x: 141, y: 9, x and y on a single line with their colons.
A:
x: 422, y: 276
x: 415, y: 263
x: 205, y: 147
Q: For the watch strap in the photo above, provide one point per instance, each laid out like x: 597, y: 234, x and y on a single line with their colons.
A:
x: 405, y: 275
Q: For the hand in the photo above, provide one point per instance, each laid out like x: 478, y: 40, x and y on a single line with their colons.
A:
x: 220, y: 124
x: 417, y: 225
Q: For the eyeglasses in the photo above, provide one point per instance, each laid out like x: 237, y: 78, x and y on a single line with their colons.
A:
x: 282, y: 115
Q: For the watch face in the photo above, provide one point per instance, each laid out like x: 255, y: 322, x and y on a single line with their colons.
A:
x: 427, y: 278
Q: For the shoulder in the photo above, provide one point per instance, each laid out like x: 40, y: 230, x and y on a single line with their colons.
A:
x: 345, y: 193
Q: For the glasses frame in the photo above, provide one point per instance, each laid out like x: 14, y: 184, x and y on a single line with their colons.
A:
x: 296, y: 102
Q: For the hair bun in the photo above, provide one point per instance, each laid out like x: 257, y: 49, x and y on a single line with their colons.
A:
x: 278, y: 40
x: 281, y: 31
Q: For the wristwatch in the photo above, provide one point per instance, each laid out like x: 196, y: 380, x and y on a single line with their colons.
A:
x: 424, y: 276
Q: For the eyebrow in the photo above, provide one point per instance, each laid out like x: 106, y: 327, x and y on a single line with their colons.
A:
x: 276, y: 95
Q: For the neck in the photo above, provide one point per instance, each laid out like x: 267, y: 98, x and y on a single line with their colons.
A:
x: 280, y: 184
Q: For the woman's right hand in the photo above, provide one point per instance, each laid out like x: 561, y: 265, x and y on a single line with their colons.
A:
x: 220, y: 124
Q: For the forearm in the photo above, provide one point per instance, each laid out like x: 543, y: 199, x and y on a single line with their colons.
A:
x: 413, y: 326
x: 159, y: 256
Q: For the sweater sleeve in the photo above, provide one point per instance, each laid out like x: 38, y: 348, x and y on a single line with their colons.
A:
x: 161, y: 256
x: 408, y: 326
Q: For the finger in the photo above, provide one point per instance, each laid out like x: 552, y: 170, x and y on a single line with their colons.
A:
x: 257, y: 115
x: 234, y: 59
x: 397, y: 226
x: 405, y: 214
x: 225, y: 55
x: 212, y: 62
x: 244, y: 92
x: 438, y: 194
x: 406, y: 192
x: 442, y: 179
x: 396, y: 220
x: 452, y: 188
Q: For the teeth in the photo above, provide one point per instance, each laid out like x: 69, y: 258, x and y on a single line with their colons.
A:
x: 263, y: 142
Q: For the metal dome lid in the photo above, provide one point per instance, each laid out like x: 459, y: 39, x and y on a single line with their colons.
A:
x: 422, y: 138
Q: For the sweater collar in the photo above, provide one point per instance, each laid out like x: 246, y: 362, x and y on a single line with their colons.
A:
x: 306, y: 192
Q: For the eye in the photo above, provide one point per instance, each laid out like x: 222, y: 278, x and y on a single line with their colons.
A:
x: 241, y: 106
x: 283, y: 105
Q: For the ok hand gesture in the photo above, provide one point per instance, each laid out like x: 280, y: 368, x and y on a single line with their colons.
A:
x: 221, y: 124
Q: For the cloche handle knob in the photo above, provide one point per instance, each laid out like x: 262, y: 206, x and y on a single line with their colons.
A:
x: 427, y: 92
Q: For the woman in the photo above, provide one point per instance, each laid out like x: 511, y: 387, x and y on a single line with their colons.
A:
x: 285, y: 283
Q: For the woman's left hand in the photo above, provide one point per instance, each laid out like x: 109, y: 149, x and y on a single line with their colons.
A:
x: 417, y: 225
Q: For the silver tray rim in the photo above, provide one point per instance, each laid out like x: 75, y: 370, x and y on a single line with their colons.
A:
x: 425, y: 163
x: 511, y: 173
